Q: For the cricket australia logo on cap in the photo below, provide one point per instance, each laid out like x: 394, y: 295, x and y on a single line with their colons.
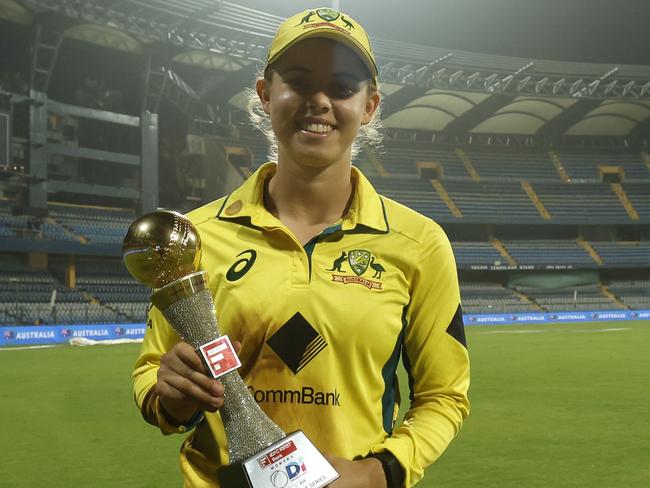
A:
x: 328, y: 14
x: 358, y: 261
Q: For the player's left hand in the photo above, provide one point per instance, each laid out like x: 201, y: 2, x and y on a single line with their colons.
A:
x: 365, y: 473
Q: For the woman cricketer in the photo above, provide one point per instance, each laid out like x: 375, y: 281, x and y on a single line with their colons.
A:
x: 324, y: 283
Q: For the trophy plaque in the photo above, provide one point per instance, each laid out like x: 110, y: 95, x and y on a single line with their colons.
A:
x: 162, y: 250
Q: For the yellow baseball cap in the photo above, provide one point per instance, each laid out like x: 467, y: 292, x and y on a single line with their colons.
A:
x: 323, y: 22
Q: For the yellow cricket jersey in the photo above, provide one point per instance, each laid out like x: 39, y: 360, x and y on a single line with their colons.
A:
x: 323, y: 327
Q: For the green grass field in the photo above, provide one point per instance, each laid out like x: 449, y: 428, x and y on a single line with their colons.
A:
x: 552, y: 406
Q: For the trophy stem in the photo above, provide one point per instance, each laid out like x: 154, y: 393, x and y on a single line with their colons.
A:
x: 188, y: 306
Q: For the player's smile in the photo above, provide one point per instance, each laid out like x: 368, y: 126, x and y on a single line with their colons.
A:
x: 315, y: 127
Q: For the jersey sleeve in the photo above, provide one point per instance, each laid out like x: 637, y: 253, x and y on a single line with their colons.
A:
x: 436, y: 359
x: 159, y: 338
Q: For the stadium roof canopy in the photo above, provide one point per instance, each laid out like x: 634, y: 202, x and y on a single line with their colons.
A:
x: 426, y: 88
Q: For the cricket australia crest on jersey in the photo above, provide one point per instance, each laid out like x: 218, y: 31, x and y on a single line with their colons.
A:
x: 354, y: 264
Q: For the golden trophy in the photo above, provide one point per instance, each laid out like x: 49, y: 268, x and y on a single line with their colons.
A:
x: 163, y: 250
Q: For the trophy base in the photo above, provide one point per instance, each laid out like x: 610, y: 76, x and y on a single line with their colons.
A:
x: 291, y: 462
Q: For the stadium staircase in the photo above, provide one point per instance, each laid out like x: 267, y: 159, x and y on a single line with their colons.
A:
x: 444, y: 196
x: 376, y: 163
x: 498, y: 245
x: 625, y: 201
x: 241, y: 158
x: 67, y: 231
x: 606, y: 292
x: 559, y: 167
x: 469, y: 167
x: 528, y: 188
x: 646, y: 158
x: 591, y: 251
x: 525, y: 298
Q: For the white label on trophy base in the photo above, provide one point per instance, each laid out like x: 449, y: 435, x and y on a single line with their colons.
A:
x: 293, y: 462
x: 220, y: 356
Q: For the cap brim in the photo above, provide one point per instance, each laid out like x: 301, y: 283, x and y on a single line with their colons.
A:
x: 336, y: 36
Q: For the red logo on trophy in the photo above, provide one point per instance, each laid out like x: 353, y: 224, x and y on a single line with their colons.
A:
x: 220, y: 356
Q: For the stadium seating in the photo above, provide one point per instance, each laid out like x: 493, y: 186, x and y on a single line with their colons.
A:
x: 28, y: 297
x: 104, y: 292
x: 498, y: 197
x: 584, y: 167
x: 499, y: 164
x: 491, y: 202
x: 493, y: 298
x: 639, y: 196
x: 595, y: 203
x: 513, y: 166
x: 109, y: 283
x: 475, y: 254
x: 416, y: 194
x: 561, y: 252
x: 634, y: 294
x: 94, y: 225
x: 399, y: 160
x: 623, y: 254
x: 589, y: 297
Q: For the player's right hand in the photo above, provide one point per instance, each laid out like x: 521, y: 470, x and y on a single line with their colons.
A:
x: 184, y: 386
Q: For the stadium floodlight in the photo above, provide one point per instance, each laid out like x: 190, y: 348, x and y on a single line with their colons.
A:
x: 593, y: 86
x: 539, y: 86
x: 523, y: 82
x: 438, y: 74
x: 628, y: 88
x: 455, y: 76
x: 471, y: 79
x: 505, y: 82
x: 386, y: 70
x: 644, y: 89
x: 421, y: 74
x: 610, y: 87
x: 526, y: 67
x: 575, y: 88
x: 488, y: 83
x: 406, y: 74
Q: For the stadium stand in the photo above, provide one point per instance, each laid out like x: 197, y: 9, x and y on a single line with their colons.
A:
x: 582, y: 203
x: 476, y: 253
x: 634, y: 294
x: 623, y: 253
x: 560, y: 252
x: 499, y: 203
x: 512, y: 199
x: 95, y: 225
x: 499, y: 196
x: 639, y: 196
x: 584, y: 167
x: 513, y: 166
x: 589, y: 297
x: 114, y: 287
x: 416, y: 194
x: 489, y: 297
x: 37, y: 297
